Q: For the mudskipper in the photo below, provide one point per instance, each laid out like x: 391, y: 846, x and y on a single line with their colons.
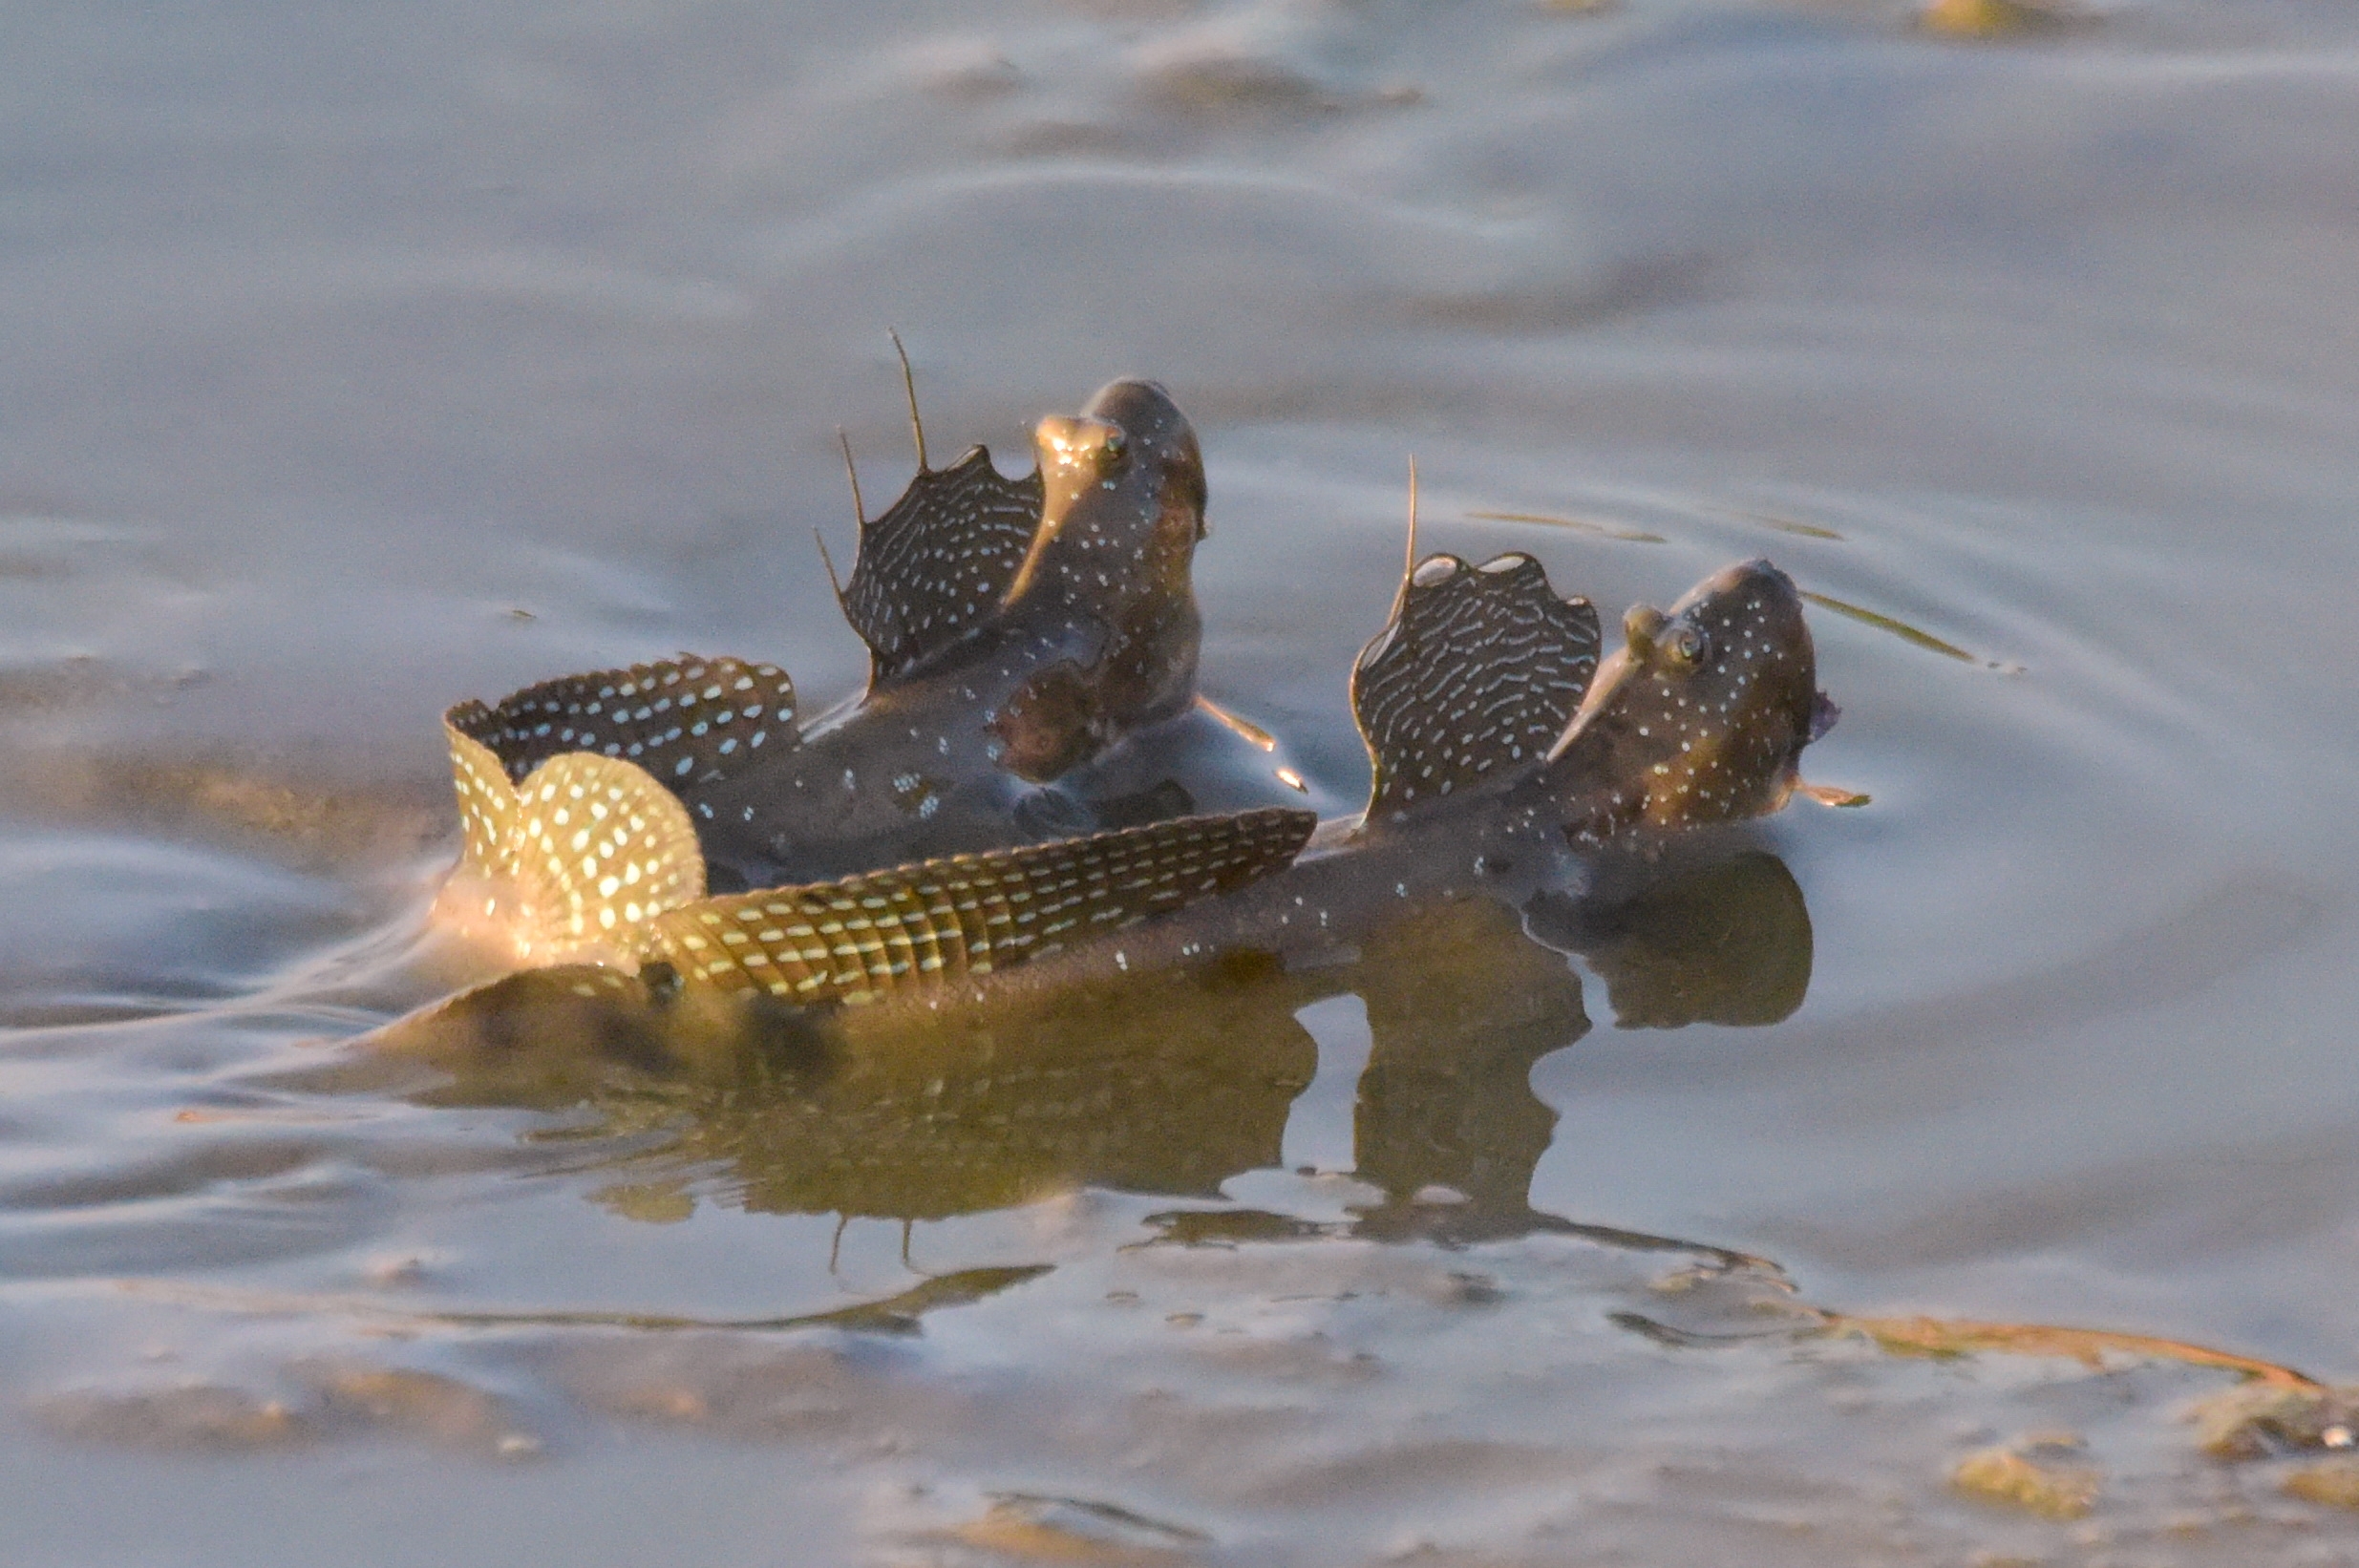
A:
x: 1507, y: 760
x: 1016, y: 629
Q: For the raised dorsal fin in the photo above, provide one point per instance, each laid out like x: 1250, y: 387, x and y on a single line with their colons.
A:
x: 901, y: 931
x: 687, y: 721
x: 938, y: 561
x: 579, y: 855
x: 1479, y: 671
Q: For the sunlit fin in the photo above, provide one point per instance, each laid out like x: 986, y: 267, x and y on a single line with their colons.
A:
x: 895, y: 932
x: 937, y: 562
x: 1829, y: 795
x: 687, y: 721
x: 1478, y: 670
x: 576, y: 858
x: 487, y: 811
x: 597, y: 848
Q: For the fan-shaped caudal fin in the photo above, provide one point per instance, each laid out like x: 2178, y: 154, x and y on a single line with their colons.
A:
x: 1480, y: 670
x: 576, y: 857
x: 913, y: 928
x: 687, y: 721
x: 938, y: 561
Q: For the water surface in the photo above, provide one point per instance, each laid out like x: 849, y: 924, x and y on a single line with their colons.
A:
x: 364, y: 359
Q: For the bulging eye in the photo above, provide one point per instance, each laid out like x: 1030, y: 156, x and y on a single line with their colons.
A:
x: 1686, y: 646
x: 1111, y: 449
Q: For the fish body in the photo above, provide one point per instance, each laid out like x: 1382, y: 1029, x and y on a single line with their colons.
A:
x: 1700, y: 718
x: 1018, y: 630
x: 1095, y: 636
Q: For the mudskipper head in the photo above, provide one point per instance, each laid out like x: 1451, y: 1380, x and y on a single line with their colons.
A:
x: 1123, y: 506
x: 1124, y: 499
x: 1703, y: 713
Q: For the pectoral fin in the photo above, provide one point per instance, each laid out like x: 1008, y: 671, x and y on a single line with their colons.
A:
x: 1051, y: 722
x: 1479, y: 671
x: 910, y: 928
x: 939, y: 561
x: 687, y: 721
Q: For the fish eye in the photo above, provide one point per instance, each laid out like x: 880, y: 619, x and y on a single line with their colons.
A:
x: 1111, y: 449
x: 1687, y: 645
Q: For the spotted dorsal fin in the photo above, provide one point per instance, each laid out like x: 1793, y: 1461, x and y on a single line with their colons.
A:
x: 902, y: 931
x: 578, y: 855
x: 1479, y: 671
x: 687, y: 721
x: 938, y: 561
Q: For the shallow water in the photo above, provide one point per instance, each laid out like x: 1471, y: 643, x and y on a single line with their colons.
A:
x: 362, y: 359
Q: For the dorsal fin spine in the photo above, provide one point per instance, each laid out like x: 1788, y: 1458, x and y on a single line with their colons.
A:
x: 909, y: 385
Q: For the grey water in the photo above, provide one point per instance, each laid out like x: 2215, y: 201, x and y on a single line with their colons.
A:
x: 358, y: 359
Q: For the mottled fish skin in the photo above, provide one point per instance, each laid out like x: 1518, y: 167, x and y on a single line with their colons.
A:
x: 1097, y: 637
x: 1699, y: 718
x: 1016, y: 628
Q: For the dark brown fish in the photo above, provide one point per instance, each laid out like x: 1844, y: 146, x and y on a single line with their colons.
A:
x: 1016, y: 628
x: 1700, y: 718
x: 1092, y: 634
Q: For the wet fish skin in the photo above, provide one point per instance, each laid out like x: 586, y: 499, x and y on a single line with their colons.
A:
x: 1097, y: 636
x: 1699, y: 719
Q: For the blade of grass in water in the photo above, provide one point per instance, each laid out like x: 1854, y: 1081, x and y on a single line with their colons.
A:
x: 1899, y: 628
x: 1784, y: 525
x: 1628, y: 536
x: 893, y: 1315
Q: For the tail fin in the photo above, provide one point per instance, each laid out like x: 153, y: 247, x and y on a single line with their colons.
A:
x: 895, y: 932
x: 580, y: 854
x: 1478, y: 670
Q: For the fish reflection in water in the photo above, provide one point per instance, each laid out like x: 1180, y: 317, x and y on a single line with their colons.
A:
x: 1168, y: 1083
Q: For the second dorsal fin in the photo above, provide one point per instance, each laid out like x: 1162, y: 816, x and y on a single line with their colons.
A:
x: 1479, y: 671
x: 687, y: 721
x: 894, y: 932
x: 938, y: 561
